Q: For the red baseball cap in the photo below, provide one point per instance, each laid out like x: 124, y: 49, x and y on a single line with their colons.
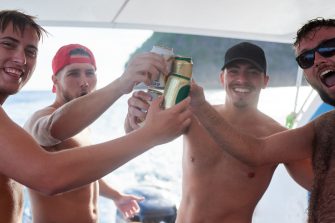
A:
x: 69, y: 54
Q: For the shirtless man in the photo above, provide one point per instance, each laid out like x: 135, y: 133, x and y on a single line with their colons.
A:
x: 216, y: 186
x: 315, y: 50
x: 74, y: 75
x: 23, y: 161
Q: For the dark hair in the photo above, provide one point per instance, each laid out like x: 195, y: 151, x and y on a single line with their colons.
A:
x: 20, y: 21
x: 79, y: 51
x: 312, y: 25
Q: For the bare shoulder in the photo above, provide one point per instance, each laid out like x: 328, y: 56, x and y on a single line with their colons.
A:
x: 37, y: 115
x: 269, y: 124
x: 8, y: 128
x: 4, y: 118
x: 219, y: 107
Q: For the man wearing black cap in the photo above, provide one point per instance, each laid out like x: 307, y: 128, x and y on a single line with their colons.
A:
x: 216, y: 186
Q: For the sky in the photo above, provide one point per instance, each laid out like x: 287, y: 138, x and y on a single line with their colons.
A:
x: 111, y: 48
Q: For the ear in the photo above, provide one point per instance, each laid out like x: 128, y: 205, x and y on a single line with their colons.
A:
x: 54, y: 79
x: 266, y: 80
x: 222, y: 78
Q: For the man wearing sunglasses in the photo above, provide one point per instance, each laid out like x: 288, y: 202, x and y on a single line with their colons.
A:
x: 23, y: 161
x: 314, y: 47
x: 315, y: 56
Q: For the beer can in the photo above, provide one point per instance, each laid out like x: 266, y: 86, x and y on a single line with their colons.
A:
x: 168, y: 55
x: 154, y: 95
x: 178, y: 85
x: 182, y: 66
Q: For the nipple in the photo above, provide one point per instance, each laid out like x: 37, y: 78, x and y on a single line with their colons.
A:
x: 251, y: 174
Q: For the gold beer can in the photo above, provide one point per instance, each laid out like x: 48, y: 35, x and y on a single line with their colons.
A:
x: 178, y: 84
x: 168, y: 55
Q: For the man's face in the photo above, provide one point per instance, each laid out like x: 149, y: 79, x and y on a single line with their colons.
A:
x: 321, y: 75
x: 243, y: 82
x: 75, y: 80
x: 18, y: 53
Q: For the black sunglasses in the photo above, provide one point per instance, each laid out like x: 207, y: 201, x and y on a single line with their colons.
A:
x: 325, y: 49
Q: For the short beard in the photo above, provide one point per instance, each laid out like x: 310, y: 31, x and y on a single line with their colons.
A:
x: 67, y: 98
x: 325, y: 97
x: 240, y: 104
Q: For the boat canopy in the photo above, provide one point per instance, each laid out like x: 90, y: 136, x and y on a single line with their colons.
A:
x: 267, y: 20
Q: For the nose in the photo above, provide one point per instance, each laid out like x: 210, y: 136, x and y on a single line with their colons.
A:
x: 83, y: 82
x: 242, y: 77
x: 319, y: 59
x: 20, y: 57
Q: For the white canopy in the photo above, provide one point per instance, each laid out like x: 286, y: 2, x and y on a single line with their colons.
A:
x: 267, y: 20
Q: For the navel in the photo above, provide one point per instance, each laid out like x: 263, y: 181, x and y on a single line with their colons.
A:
x: 192, y: 159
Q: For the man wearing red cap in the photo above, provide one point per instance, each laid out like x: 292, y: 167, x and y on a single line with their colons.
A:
x: 23, y: 161
x: 217, y: 187
x: 59, y: 127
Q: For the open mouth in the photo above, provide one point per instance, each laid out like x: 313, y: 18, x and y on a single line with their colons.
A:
x: 328, y: 78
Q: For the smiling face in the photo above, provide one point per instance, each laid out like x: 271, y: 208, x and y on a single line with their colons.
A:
x: 18, y: 53
x: 321, y: 75
x: 243, y: 82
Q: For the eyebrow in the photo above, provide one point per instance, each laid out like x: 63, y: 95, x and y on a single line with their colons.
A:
x: 16, y: 41
x: 321, y: 42
x: 9, y: 38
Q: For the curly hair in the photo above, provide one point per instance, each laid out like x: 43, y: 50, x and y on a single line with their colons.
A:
x: 312, y: 26
x: 19, y: 21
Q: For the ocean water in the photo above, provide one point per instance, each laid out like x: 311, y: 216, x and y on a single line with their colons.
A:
x: 284, y: 201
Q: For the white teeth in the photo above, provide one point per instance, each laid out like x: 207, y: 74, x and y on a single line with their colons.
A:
x: 242, y: 90
x: 325, y: 72
x: 14, y: 71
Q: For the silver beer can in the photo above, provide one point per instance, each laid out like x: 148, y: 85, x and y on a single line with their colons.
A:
x: 168, y: 55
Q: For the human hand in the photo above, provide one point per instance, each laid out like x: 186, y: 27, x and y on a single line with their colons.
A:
x: 128, y: 205
x: 137, y: 109
x: 169, y: 123
x: 197, y: 95
x: 144, y: 67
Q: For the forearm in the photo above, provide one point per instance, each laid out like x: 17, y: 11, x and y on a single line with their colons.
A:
x: 92, y: 163
x: 52, y: 173
x: 107, y: 191
x: 81, y: 112
x: 232, y: 141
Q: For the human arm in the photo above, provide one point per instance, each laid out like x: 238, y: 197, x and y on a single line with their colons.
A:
x: 126, y: 203
x: 23, y: 160
x: 62, y: 122
x: 281, y: 147
x: 302, y: 172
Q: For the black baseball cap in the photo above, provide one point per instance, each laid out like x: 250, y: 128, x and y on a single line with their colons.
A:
x: 246, y: 51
